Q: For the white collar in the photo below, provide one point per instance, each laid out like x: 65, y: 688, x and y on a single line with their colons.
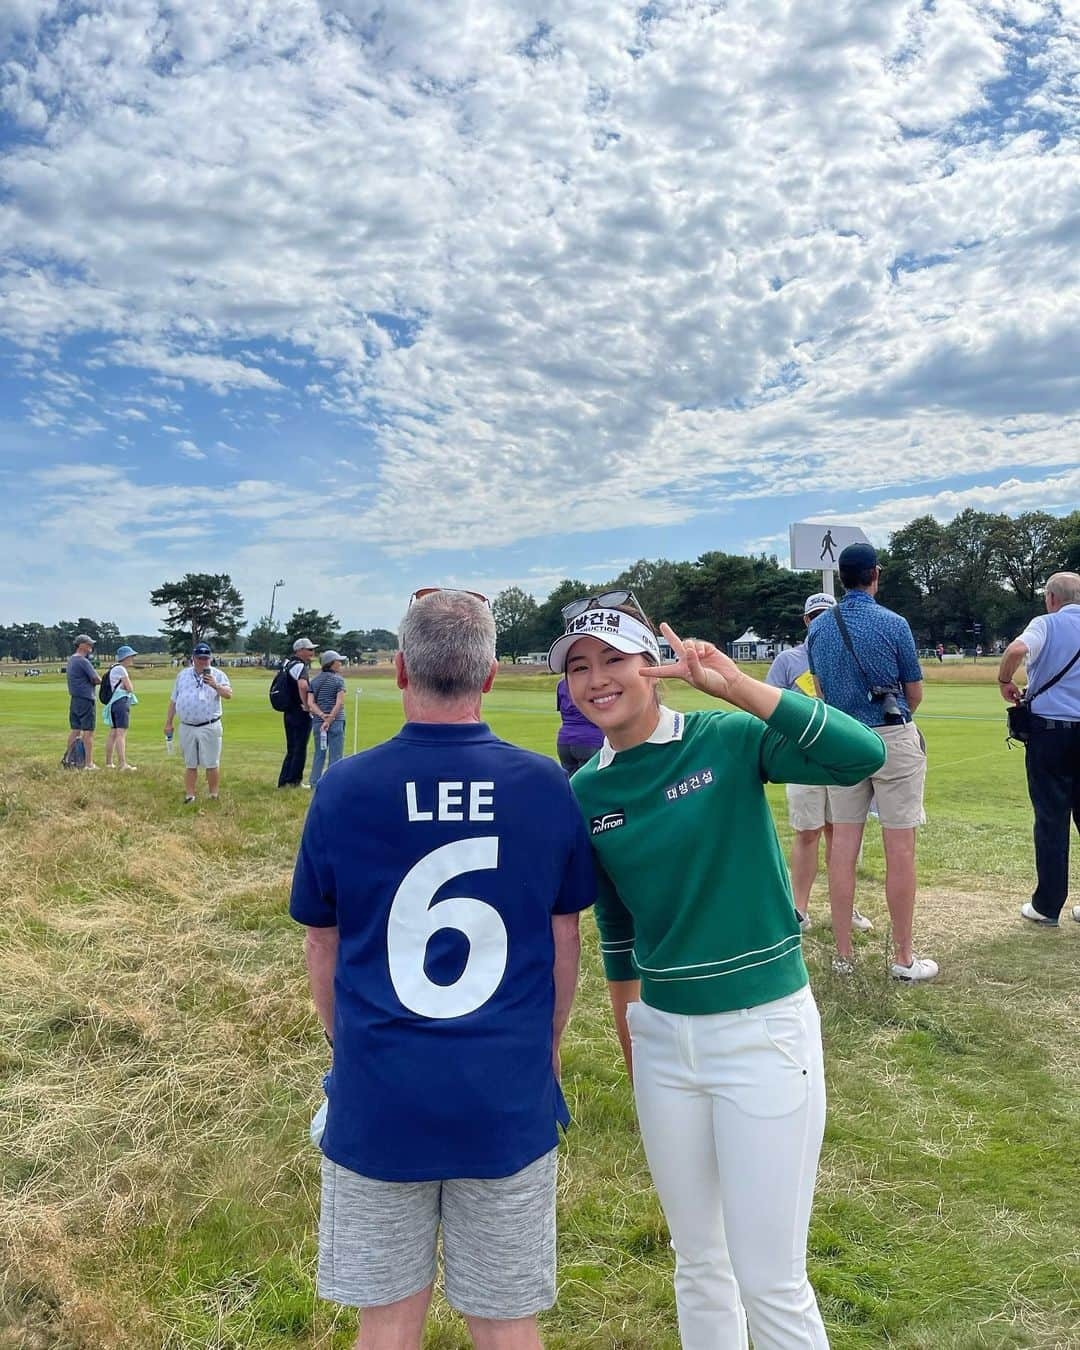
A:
x: 668, y: 728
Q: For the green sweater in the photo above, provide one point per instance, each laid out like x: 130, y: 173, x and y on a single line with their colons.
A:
x: 694, y: 895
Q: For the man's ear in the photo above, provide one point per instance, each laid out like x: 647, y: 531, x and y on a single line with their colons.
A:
x: 485, y: 688
x: 401, y: 674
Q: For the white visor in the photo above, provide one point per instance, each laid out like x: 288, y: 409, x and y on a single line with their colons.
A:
x: 618, y: 630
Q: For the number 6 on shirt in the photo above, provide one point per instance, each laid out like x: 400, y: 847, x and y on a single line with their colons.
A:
x: 414, y: 920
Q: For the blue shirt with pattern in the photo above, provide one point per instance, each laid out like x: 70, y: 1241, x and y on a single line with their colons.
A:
x: 884, y: 645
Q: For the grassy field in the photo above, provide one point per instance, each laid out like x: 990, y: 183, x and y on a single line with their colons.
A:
x: 159, y: 1062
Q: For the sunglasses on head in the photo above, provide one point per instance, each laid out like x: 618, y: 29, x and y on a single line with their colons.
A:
x: 609, y: 599
x: 453, y: 590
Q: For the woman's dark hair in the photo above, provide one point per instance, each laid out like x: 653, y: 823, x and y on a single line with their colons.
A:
x: 641, y: 617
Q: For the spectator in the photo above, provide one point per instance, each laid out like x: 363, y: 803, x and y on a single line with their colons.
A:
x: 1050, y: 646
x: 326, y: 701
x: 578, y: 740
x: 297, y: 717
x: 82, y: 681
x: 118, y: 709
x: 444, y: 1012
x: 863, y: 659
x: 704, y: 961
x: 808, y: 803
x: 940, y: 652
x: 196, y: 698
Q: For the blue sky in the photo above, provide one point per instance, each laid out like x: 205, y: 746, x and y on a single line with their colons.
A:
x: 370, y: 297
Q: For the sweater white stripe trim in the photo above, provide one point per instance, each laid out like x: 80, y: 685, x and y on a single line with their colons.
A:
x: 810, y: 721
x: 726, y: 960
x: 659, y: 979
x: 824, y: 719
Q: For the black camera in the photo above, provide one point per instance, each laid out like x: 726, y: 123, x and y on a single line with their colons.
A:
x: 889, y: 706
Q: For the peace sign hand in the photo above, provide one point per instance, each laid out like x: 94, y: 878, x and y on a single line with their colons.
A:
x: 701, y: 665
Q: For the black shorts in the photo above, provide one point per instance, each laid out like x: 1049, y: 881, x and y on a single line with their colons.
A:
x: 82, y: 715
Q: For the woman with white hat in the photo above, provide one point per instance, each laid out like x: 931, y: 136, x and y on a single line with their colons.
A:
x: 703, y: 956
x: 326, y: 703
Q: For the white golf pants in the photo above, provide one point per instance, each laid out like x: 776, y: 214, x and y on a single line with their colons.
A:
x: 732, y: 1112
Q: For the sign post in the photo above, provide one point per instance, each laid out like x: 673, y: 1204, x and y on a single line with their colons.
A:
x: 818, y: 544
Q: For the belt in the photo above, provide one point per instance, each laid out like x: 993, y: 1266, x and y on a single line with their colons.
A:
x: 202, y: 724
x: 1052, y: 723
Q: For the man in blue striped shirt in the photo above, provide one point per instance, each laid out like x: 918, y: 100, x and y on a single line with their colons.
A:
x: 874, y: 675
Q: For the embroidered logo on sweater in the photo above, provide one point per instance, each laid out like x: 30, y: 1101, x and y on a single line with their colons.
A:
x: 693, y: 782
x: 610, y: 820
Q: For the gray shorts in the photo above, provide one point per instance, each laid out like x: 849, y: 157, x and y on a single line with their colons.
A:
x: 120, y: 712
x: 82, y: 714
x: 377, y: 1239
x: 201, y: 745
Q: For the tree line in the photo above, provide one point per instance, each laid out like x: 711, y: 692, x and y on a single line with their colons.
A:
x: 976, y: 579
x: 200, y: 607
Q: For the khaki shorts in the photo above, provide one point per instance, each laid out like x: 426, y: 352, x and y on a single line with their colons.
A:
x: 807, y: 806
x: 897, y: 785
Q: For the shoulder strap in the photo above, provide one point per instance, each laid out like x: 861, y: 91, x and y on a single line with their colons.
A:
x: 835, y: 611
x: 1030, y: 698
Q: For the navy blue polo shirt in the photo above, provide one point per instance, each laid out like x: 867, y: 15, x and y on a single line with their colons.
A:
x: 885, y: 648
x: 441, y: 857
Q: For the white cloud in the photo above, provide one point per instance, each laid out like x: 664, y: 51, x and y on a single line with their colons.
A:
x: 614, y: 268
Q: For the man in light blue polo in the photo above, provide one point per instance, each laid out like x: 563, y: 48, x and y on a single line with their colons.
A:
x: 863, y: 660
x: 1048, y: 645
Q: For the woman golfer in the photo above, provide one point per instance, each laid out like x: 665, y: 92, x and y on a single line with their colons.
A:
x: 702, y: 951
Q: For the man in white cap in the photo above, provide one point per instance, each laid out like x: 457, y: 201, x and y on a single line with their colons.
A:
x: 808, y: 804
x: 296, y: 717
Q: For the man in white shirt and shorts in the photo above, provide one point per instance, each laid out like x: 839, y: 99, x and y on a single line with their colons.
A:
x: 196, y: 700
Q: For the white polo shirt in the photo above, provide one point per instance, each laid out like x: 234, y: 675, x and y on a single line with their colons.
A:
x: 195, y: 701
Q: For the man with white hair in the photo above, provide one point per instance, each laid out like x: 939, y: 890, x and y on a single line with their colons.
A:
x: 440, y: 878
x: 1050, y: 648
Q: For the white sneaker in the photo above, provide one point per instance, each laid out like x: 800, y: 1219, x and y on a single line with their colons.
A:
x: 94, y: 767
x: 921, y: 968
x: 805, y: 921
x: 128, y: 768
x: 1076, y: 913
x: 1028, y: 911
x: 843, y: 965
x: 861, y: 923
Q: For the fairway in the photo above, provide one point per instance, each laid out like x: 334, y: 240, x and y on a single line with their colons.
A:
x: 159, y: 1062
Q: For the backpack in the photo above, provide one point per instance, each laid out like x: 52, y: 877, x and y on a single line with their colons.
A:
x: 284, y: 690
x: 75, y: 758
x: 106, y: 688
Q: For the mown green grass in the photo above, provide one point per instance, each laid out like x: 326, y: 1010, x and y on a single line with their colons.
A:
x: 159, y: 1062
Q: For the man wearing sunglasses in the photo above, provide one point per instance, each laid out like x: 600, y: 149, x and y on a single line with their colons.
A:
x: 440, y: 878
